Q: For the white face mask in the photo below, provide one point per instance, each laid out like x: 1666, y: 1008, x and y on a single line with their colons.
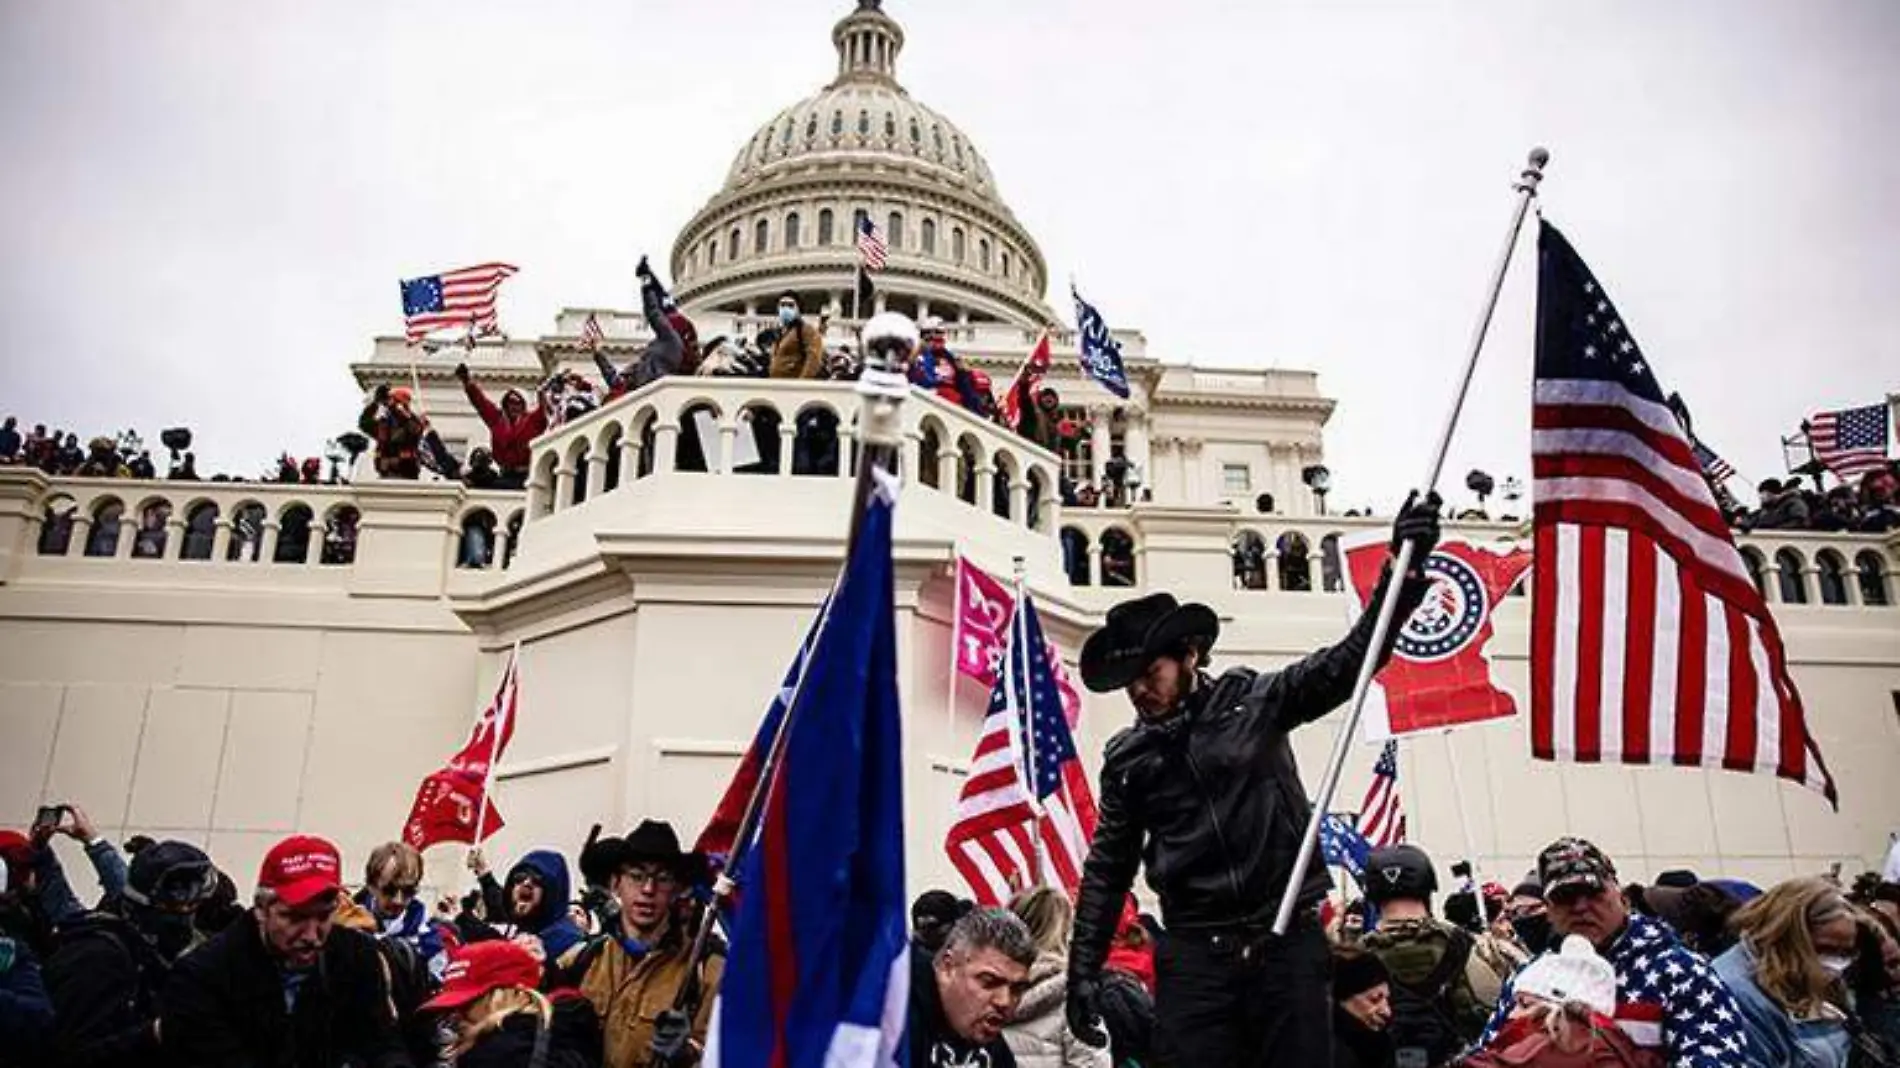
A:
x: 1835, y: 967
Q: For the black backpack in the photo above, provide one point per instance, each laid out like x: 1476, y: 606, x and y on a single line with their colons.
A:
x: 1424, y: 1031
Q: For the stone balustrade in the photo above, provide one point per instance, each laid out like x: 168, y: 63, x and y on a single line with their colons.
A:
x: 776, y: 428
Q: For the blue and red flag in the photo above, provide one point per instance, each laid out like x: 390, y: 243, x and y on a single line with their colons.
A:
x: 818, y: 970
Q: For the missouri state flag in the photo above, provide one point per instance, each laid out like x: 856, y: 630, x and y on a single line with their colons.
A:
x: 1440, y: 672
x: 819, y: 967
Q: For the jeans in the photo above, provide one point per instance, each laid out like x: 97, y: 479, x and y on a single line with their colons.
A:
x: 1241, y: 999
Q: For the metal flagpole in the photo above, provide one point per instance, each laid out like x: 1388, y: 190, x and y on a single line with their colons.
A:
x: 1526, y: 188
x: 1464, y: 817
x: 1020, y: 662
x: 509, y: 681
x: 887, y: 343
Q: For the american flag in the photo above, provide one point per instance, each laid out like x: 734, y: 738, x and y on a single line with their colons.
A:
x: 591, y: 334
x: 871, y: 247
x: 1649, y: 641
x: 464, y: 297
x: 1000, y: 818
x: 1718, y: 469
x: 1850, y: 442
x: 1381, y: 816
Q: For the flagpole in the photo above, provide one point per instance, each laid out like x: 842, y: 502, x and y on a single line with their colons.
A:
x: 1026, y: 719
x: 1464, y: 817
x: 882, y: 390
x: 494, y: 746
x: 1526, y: 189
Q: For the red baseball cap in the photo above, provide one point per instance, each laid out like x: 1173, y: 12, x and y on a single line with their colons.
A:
x: 479, y: 967
x: 17, y: 850
x: 301, y: 868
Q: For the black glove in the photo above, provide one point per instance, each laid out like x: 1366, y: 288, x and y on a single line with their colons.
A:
x: 641, y: 270
x: 1085, y: 1013
x: 461, y: 371
x: 1418, y: 524
x: 671, y: 1030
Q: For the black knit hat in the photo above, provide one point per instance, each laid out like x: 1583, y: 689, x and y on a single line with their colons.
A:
x: 1355, y: 972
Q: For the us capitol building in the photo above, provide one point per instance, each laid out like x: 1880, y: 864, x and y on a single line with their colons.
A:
x: 235, y: 679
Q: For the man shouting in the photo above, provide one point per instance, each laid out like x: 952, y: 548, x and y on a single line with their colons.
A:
x: 1204, y: 792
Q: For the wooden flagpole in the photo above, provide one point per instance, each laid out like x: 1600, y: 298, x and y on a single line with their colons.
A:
x: 1526, y: 188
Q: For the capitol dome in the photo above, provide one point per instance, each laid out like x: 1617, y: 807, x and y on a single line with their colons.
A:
x: 786, y: 216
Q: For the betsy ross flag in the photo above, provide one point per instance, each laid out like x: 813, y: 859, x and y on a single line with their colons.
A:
x: 450, y: 801
x: 1022, y: 388
x: 591, y: 334
x: 1649, y: 641
x: 1026, y: 814
x: 462, y: 298
x: 1381, y: 816
x: 1101, y: 354
x: 818, y: 971
x: 871, y: 247
x: 1850, y: 442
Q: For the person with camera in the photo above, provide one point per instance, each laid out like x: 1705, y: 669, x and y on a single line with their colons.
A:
x: 54, y: 895
x: 512, y: 428
x: 1203, y: 790
x: 634, y: 976
x: 110, y: 965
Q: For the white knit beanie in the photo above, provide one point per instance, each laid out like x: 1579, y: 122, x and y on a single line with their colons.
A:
x: 1575, y: 974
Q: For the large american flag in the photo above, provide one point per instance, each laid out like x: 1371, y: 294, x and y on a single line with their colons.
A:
x: 1001, y: 817
x: 871, y: 247
x: 1850, y: 442
x: 461, y: 298
x: 1649, y: 641
x: 1381, y: 816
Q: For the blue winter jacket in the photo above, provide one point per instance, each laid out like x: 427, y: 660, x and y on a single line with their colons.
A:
x: 550, y: 922
x: 1777, y: 1039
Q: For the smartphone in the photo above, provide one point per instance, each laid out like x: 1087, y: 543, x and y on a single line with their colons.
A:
x: 49, y: 817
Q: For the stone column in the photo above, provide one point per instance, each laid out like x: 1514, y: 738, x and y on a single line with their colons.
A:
x: 174, y: 537
x: 728, y: 437
x: 21, y: 488
x: 1098, y: 445
x: 986, y: 487
x: 221, y: 540
x: 1191, y: 467
x: 1137, y: 448
x: 1019, y: 502
x: 81, y: 536
x: 596, y: 475
x: 787, y: 441
x: 267, y: 552
x: 629, y: 457
x: 1095, y: 563
x: 947, y: 458
x: 128, y: 533
x: 502, y: 541
x: 665, y: 447
x: 1811, y: 582
x: 563, y: 487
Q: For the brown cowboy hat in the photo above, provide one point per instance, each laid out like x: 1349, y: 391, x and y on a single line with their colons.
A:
x: 1136, y: 632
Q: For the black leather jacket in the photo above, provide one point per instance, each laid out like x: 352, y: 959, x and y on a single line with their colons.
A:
x: 1211, y: 802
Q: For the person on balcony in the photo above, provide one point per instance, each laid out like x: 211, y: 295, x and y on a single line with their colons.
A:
x: 674, y: 343
x: 397, y: 431
x: 511, y: 428
x: 800, y: 349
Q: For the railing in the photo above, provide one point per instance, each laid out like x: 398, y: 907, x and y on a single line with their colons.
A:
x: 782, y: 428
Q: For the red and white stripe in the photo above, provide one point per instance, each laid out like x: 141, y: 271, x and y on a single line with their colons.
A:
x: 1650, y: 643
x: 468, y: 299
x: 993, y: 841
x: 871, y: 246
x: 591, y: 334
x: 1382, y: 815
x: 1825, y: 434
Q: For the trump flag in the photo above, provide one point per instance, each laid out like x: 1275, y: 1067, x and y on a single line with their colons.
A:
x: 1440, y: 674
x: 981, y: 634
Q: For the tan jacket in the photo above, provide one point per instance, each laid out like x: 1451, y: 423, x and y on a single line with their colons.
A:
x: 630, y: 994
x: 800, y: 352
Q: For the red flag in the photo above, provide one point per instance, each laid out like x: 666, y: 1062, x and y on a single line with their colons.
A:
x: 1028, y: 377
x: 1439, y: 675
x: 451, y: 801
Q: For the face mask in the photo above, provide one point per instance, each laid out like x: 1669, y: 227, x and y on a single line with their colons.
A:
x: 1533, y: 931
x: 1835, y: 967
x: 787, y: 315
x: 171, y: 933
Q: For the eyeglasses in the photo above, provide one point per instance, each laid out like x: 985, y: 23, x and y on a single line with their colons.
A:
x: 401, y: 890
x: 650, y: 877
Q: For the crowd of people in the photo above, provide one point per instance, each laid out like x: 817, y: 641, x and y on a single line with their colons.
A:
x: 1870, y: 507
x: 172, y: 967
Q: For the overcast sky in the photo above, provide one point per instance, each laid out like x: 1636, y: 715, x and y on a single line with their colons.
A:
x: 204, y: 207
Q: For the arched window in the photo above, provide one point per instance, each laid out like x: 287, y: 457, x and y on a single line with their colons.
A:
x: 104, y: 539
x: 761, y: 233
x: 56, y: 528
x: 648, y: 438
x: 999, y: 492
x: 732, y: 244
x: 712, y: 251
x: 837, y: 123
x: 698, y: 443
x: 966, y: 470
x: 890, y: 126
x: 1250, y: 561
x: 1872, y: 571
x: 293, y: 535
x: 1038, y: 486
x: 1757, y: 568
x: 514, y: 540
x: 811, y: 128
x: 1296, y: 572
x: 916, y: 132
x: 247, y: 532
x: 1118, y: 558
x: 927, y: 449
x: 864, y: 123
x: 149, y: 542
x: 339, y: 535
x: 857, y: 222
x: 1788, y: 573
x: 956, y: 243
x: 956, y: 147
x: 930, y: 237
x: 583, y: 460
x: 936, y: 138
x: 1075, y: 556
x: 478, y: 540
x: 1005, y: 257
x: 1331, y: 566
x: 815, y: 448
x: 824, y: 226
x: 983, y: 254
x: 757, y: 434
x: 786, y: 140
x: 201, y: 531
x: 608, y: 445
x: 1832, y: 576
x: 791, y: 230
x: 894, y: 233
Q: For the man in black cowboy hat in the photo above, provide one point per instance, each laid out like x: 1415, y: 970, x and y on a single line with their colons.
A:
x: 1204, y: 791
x: 635, y: 973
